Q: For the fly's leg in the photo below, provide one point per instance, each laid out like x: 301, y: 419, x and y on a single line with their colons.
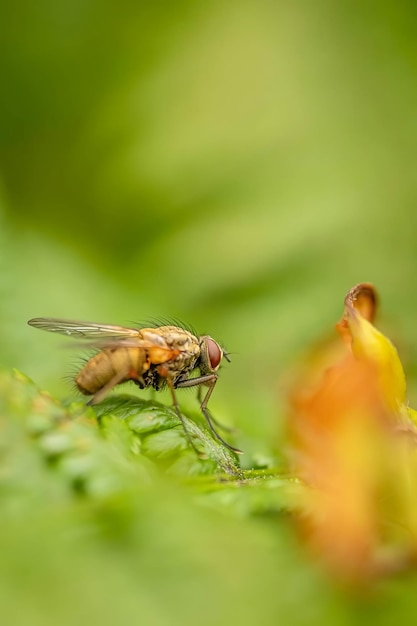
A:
x: 209, y: 380
x: 178, y: 412
x: 102, y: 393
x: 123, y: 368
x: 227, y: 429
x: 139, y: 382
x: 210, y: 419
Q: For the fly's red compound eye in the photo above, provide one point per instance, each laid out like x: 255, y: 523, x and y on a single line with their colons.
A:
x: 214, y: 353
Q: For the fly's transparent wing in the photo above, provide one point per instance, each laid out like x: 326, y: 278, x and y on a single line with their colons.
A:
x: 106, y: 336
x: 81, y: 330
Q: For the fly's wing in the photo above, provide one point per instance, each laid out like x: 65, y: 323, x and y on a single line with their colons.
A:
x: 81, y: 330
x: 106, y: 336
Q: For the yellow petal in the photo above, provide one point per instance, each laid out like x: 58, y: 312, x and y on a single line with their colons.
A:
x: 370, y: 344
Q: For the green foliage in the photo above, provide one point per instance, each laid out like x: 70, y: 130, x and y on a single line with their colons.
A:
x: 96, y: 525
x: 100, y: 492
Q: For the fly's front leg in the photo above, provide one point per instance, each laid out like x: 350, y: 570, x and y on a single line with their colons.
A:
x: 227, y: 429
x: 210, y: 381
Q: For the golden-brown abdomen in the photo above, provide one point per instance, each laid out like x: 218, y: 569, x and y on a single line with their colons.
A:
x: 120, y: 364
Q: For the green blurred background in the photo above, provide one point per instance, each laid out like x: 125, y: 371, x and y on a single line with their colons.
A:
x: 238, y: 165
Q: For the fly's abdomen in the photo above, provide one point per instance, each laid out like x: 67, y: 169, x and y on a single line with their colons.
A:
x: 120, y: 364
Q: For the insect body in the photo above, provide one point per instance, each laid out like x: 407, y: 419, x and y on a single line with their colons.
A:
x: 150, y: 357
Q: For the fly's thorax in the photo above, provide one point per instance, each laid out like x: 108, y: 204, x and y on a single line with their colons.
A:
x: 211, y: 355
x: 108, y: 363
x: 182, y: 356
x: 172, y: 337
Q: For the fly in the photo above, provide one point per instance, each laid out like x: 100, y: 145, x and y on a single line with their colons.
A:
x: 150, y: 357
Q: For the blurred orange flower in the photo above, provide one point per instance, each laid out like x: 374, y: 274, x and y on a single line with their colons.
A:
x: 353, y: 442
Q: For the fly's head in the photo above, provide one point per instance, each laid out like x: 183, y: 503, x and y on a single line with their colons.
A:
x: 211, y: 355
